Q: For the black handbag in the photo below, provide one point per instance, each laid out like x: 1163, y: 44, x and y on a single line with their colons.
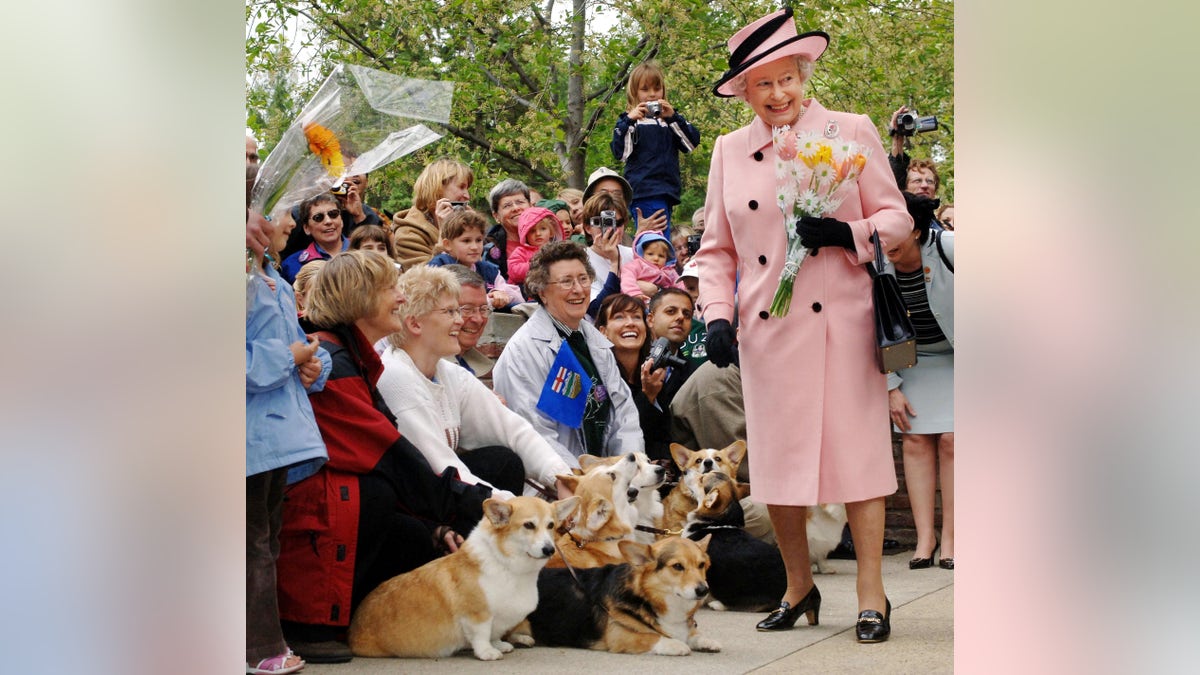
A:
x: 895, y: 339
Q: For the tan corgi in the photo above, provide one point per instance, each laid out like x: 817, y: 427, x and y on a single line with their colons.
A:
x: 648, y: 604
x: 595, y: 527
x: 469, y: 598
x: 679, y: 502
x: 646, y: 510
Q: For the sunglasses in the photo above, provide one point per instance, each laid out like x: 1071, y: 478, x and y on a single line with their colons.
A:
x: 320, y: 217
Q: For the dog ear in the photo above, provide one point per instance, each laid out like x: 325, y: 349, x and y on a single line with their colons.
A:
x: 497, y: 511
x: 680, y: 454
x: 743, y: 490
x: 563, y: 508
x: 703, y: 543
x: 736, y: 451
x: 602, y: 510
x: 636, y: 552
x: 586, y: 462
x: 571, y: 482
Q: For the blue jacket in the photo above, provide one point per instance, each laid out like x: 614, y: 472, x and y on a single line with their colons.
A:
x: 650, y: 150
x: 280, y: 427
x: 295, y: 261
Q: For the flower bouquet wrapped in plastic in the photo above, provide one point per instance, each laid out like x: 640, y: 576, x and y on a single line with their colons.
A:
x: 811, y: 174
x: 358, y: 121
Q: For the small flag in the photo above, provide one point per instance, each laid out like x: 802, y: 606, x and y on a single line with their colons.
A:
x: 565, y: 393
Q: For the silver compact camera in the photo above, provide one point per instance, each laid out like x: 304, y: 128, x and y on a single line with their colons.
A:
x: 910, y: 123
x: 654, y: 108
x: 607, y: 220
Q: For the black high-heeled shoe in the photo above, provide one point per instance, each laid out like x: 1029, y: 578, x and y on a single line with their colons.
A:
x: 924, y: 563
x: 946, y: 563
x: 873, y: 627
x: 784, y: 616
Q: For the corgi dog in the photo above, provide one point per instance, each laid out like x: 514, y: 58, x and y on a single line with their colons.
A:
x: 825, y: 523
x: 646, y: 605
x: 746, y: 573
x: 680, y: 502
x: 647, y: 511
x: 594, y: 529
x: 469, y: 598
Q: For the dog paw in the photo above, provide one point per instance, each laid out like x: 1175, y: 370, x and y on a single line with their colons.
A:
x: 671, y: 647
x: 822, y: 568
x: 503, y: 646
x: 488, y: 653
x: 717, y: 605
x: 520, y: 640
x: 703, y: 643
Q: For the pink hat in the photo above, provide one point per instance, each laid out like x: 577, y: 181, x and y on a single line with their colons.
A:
x: 770, y: 38
x: 532, y: 216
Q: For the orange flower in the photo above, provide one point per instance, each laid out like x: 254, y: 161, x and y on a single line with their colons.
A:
x: 324, y: 144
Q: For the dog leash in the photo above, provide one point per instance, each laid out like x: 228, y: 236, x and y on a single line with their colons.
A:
x: 658, y: 530
x: 541, y: 489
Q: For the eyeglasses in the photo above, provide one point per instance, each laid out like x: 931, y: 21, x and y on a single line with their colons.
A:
x: 583, y: 280
x: 452, y: 312
x: 483, y: 311
x: 319, y: 217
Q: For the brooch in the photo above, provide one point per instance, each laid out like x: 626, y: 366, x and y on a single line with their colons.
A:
x: 831, y: 129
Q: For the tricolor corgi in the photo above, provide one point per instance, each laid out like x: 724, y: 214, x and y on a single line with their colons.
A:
x: 647, y: 605
x: 680, y: 502
x: 469, y: 598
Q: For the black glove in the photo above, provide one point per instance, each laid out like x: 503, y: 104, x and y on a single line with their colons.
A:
x: 817, y: 232
x: 721, y: 343
x: 920, y: 208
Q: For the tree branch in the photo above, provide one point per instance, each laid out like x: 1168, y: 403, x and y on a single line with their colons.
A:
x: 470, y: 137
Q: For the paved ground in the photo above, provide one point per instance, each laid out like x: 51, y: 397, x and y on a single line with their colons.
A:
x: 922, y: 639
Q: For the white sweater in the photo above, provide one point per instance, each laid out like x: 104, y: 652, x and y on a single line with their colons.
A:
x: 456, y: 413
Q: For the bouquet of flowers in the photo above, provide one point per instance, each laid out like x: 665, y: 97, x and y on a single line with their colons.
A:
x: 359, y: 120
x: 811, y: 173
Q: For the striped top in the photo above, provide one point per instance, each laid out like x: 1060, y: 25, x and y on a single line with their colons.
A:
x: 912, y: 287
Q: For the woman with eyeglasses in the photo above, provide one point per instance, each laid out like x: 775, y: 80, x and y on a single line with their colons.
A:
x: 448, y: 414
x: 539, y: 381
x: 321, y: 219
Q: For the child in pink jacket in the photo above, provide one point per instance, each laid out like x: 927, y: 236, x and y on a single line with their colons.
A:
x: 652, y: 267
x: 536, y: 227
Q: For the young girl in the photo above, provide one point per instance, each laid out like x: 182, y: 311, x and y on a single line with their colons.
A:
x: 537, y: 227
x: 373, y: 238
x: 462, y: 244
x: 652, y: 268
x: 283, y: 445
x: 648, y: 138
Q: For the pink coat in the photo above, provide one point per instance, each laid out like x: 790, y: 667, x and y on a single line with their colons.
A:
x: 640, y: 269
x: 816, y: 404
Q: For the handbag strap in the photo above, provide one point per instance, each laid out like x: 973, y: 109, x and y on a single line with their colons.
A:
x: 937, y: 239
x: 877, y: 268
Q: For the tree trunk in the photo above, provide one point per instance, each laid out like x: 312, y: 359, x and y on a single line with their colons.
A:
x: 576, y: 153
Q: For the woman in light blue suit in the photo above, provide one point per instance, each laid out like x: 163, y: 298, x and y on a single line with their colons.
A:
x: 921, y: 398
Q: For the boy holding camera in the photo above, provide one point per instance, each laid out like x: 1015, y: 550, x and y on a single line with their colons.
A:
x: 648, y: 138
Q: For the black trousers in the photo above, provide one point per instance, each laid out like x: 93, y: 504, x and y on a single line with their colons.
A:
x: 498, y: 465
x: 264, y: 518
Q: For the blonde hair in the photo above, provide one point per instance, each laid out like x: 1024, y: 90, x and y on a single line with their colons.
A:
x: 303, y: 282
x: 423, y: 287
x: 569, y: 194
x: 345, y: 291
x: 432, y: 182
x: 647, y: 72
x: 803, y: 64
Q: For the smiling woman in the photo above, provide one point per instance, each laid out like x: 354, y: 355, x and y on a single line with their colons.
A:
x: 321, y: 219
x: 557, y: 338
x: 447, y: 413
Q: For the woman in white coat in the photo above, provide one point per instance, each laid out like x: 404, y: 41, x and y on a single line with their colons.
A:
x: 442, y: 408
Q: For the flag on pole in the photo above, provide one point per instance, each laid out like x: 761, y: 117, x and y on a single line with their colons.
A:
x: 565, y: 393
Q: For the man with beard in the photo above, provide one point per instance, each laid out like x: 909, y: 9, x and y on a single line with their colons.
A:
x: 670, y: 317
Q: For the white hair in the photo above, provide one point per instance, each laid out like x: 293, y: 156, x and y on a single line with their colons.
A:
x: 803, y: 64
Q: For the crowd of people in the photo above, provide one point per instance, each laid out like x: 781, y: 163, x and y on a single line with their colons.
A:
x: 370, y: 406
